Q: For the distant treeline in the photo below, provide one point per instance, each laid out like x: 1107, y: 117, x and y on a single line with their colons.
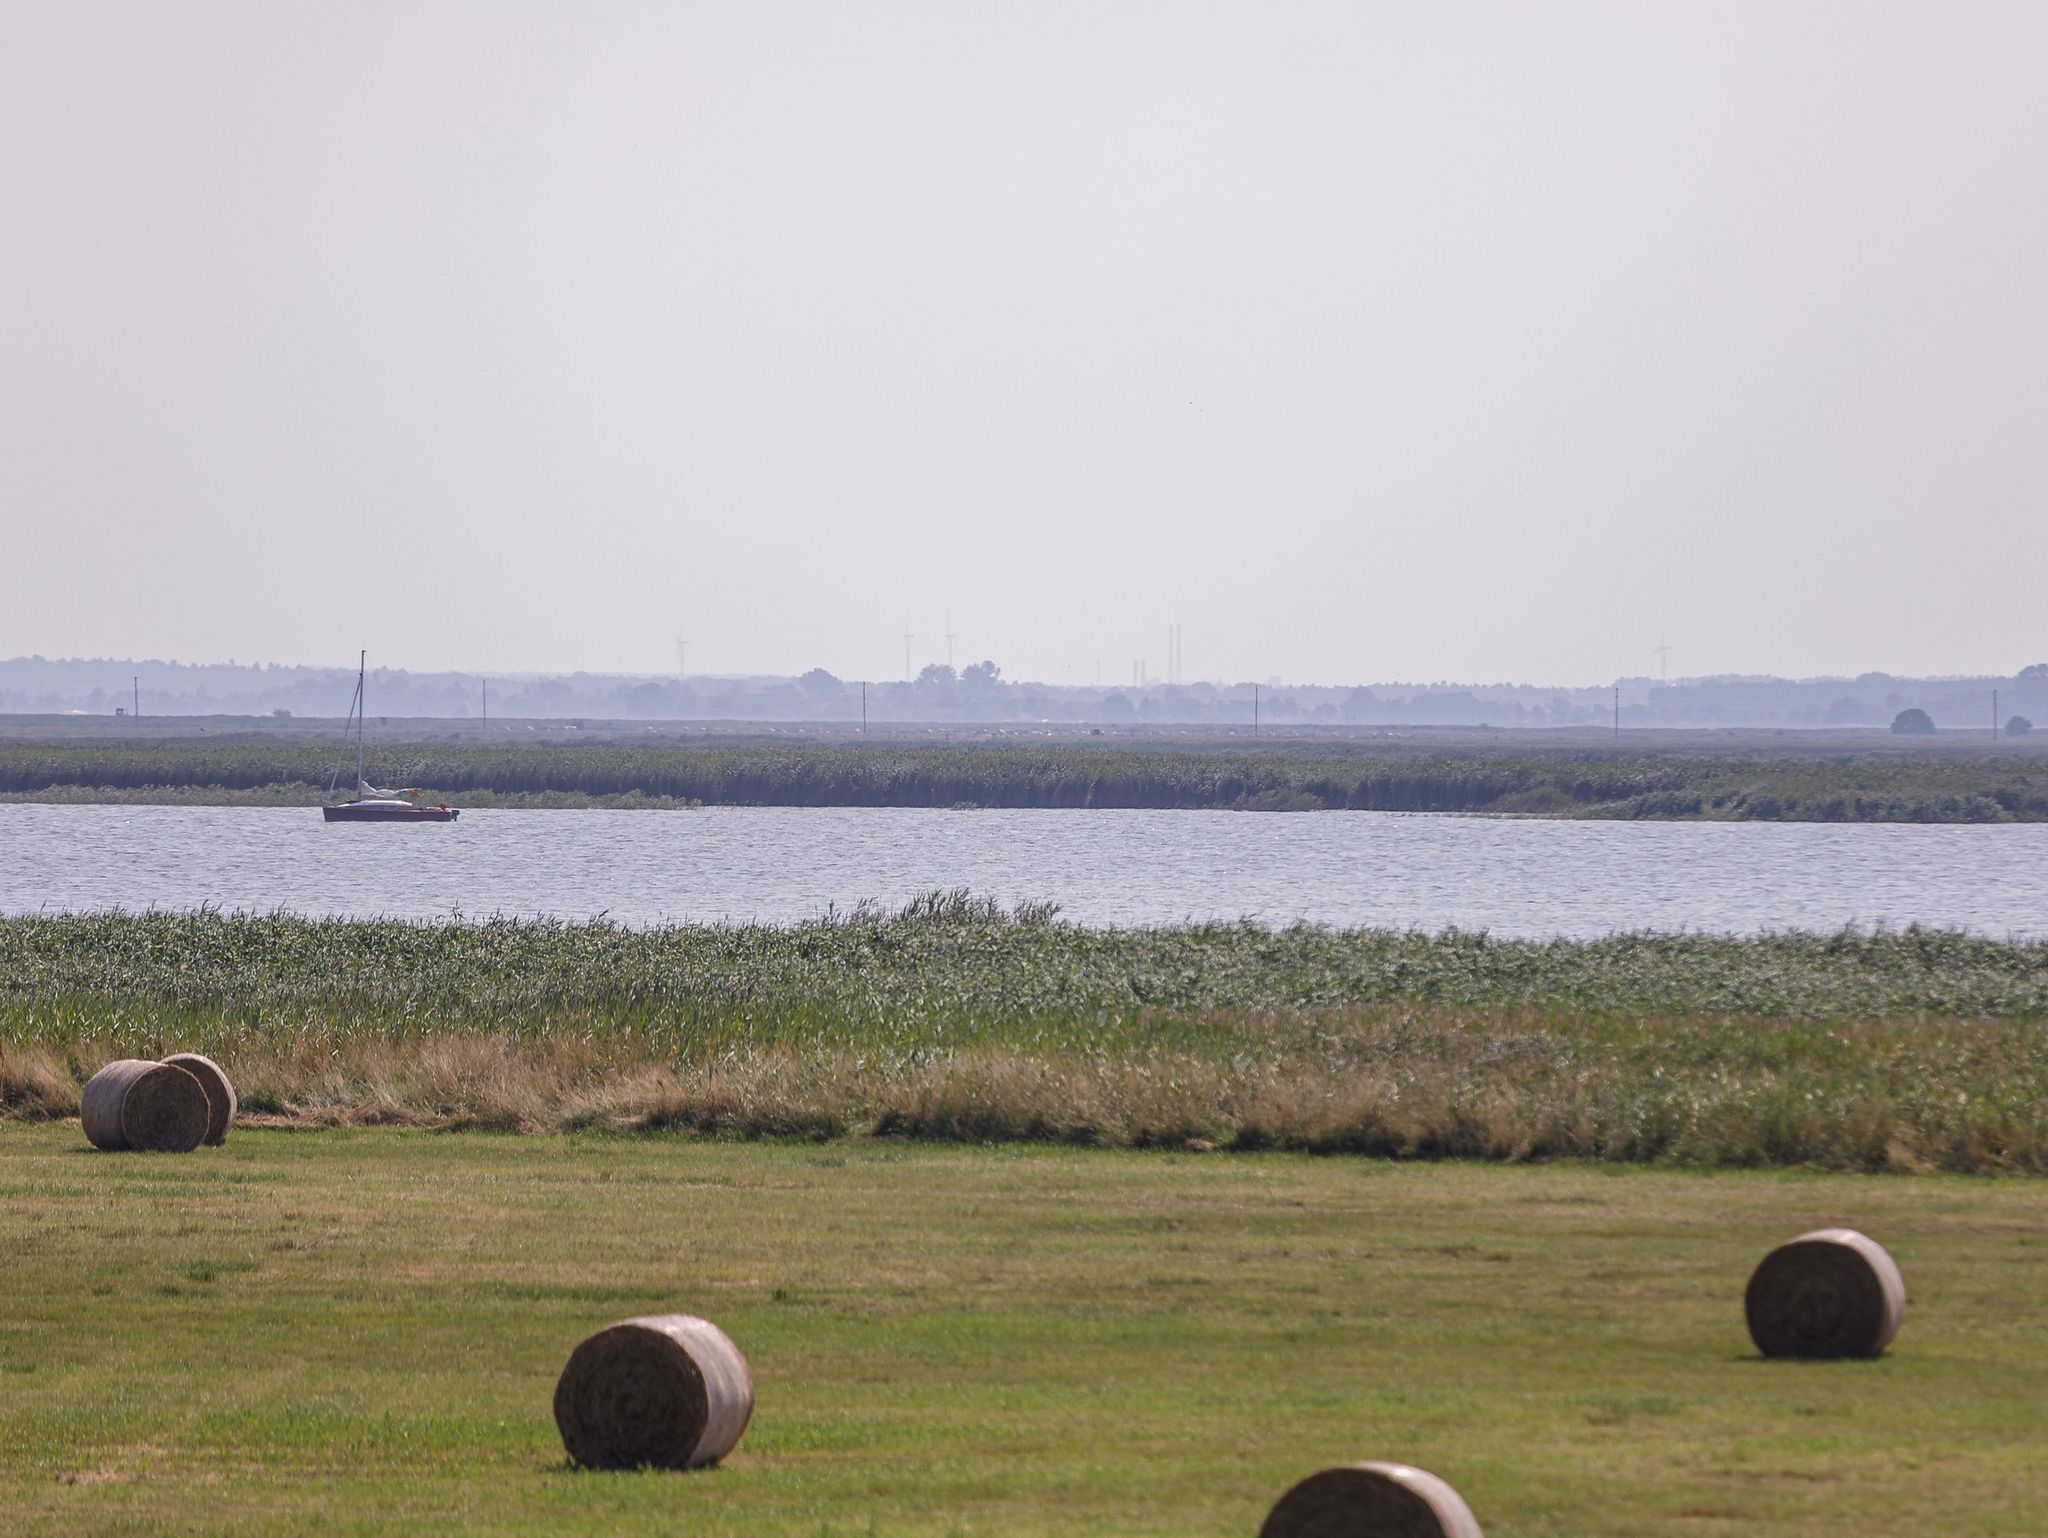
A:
x: 1874, y: 786
x: 980, y: 693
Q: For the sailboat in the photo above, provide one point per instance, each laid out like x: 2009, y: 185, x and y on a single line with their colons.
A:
x: 372, y: 804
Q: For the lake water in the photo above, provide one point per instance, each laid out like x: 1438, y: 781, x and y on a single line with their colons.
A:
x: 786, y: 864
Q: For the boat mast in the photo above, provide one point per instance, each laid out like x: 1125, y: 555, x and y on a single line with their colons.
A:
x: 355, y: 714
x: 362, y: 709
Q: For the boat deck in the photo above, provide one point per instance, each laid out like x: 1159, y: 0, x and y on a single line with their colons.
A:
x: 388, y: 811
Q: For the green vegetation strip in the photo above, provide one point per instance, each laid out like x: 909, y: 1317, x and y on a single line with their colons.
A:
x: 1923, y: 785
x: 358, y: 1333
x: 957, y: 1020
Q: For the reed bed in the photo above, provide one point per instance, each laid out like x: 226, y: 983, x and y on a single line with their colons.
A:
x: 1824, y: 785
x: 955, y: 1019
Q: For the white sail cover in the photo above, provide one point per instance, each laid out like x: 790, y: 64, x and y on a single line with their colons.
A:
x: 369, y: 792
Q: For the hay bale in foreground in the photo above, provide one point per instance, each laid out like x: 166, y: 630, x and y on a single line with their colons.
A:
x: 667, y: 1390
x: 1371, y: 1500
x: 135, y: 1103
x: 1831, y: 1293
x: 221, y: 1104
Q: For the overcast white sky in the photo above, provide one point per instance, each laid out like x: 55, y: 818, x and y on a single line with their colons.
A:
x: 1415, y: 340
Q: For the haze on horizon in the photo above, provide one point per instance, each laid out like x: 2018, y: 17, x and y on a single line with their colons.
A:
x: 1364, y: 341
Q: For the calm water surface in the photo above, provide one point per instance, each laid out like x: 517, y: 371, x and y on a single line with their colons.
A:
x: 786, y: 864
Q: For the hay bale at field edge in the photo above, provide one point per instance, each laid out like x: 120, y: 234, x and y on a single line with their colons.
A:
x: 221, y: 1104
x: 1826, y: 1294
x: 661, y: 1390
x: 1371, y: 1500
x: 135, y: 1103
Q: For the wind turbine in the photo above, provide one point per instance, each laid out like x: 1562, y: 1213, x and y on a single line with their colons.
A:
x: 682, y: 651
x: 1663, y: 653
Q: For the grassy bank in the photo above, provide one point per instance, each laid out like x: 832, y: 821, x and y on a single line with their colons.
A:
x: 311, y: 796
x: 1923, y: 784
x: 358, y: 1333
x: 954, y: 1020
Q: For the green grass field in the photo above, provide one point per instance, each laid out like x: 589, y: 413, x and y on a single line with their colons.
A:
x: 358, y: 1332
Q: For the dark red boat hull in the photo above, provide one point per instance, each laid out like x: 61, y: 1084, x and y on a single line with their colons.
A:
x: 390, y: 813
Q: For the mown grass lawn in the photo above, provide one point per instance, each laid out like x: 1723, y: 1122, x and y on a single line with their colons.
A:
x: 357, y: 1331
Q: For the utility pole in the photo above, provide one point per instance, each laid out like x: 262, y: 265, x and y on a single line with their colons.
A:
x: 1255, y: 710
x: 1994, y: 715
x: 136, y: 682
x: 907, y: 638
x: 863, y: 708
x: 487, y: 702
x: 1617, y: 712
x: 682, y: 657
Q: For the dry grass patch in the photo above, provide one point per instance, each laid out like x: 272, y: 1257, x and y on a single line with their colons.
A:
x: 34, y: 1084
x: 1399, y: 1086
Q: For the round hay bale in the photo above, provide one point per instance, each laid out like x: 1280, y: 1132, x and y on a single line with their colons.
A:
x: 1831, y: 1293
x: 667, y: 1390
x: 1371, y: 1500
x: 134, y: 1103
x: 220, y: 1092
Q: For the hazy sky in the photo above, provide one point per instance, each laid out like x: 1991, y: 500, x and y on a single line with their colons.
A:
x: 1416, y: 340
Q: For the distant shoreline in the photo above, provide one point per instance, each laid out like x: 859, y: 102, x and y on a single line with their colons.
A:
x: 1763, y: 778
x: 289, y: 797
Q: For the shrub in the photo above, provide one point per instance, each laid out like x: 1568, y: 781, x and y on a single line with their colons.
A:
x: 1912, y: 722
